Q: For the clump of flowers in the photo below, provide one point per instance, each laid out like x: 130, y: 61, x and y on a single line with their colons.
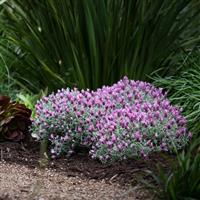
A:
x: 127, y: 119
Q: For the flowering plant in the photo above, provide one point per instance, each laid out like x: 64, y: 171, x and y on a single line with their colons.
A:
x: 127, y: 119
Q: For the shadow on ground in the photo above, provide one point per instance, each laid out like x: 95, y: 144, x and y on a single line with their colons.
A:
x: 81, y: 165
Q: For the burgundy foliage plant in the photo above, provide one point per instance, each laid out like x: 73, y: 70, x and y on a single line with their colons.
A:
x: 14, y: 120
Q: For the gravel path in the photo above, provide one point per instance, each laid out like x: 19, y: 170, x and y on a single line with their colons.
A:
x: 22, y: 183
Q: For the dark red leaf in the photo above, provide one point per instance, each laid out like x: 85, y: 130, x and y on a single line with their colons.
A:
x: 14, y: 119
x: 4, y: 100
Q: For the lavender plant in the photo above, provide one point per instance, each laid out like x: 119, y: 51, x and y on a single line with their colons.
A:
x: 127, y: 119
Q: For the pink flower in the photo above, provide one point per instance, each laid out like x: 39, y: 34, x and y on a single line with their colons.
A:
x: 79, y: 129
x: 91, y: 128
x: 149, y: 143
x: 138, y: 136
x: 113, y: 138
x: 120, y: 146
x: 163, y: 146
x: 190, y: 135
x: 109, y: 143
x: 102, y: 139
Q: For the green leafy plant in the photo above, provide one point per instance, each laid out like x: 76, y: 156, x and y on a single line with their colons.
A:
x: 183, y: 181
x: 93, y: 43
x: 29, y: 99
x: 14, y: 120
x: 184, y: 87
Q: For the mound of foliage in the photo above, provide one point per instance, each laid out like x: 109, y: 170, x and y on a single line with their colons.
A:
x: 127, y: 119
x: 14, y: 120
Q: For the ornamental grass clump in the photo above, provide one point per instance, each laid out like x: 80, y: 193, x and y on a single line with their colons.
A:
x: 127, y: 119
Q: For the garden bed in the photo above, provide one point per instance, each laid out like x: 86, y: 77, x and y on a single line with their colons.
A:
x: 76, y: 177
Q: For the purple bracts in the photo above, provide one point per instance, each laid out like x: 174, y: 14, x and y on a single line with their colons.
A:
x: 127, y: 119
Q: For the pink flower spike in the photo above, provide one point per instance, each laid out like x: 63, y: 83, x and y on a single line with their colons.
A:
x: 79, y: 129
x: 190, y: 135
x: 138, y: 136
x: 113, y: 138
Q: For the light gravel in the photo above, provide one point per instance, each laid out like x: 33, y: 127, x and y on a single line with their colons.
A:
x: 18, y: 182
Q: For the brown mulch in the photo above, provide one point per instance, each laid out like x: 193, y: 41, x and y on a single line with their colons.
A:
x: 112, y: 179
x: 81, y: 164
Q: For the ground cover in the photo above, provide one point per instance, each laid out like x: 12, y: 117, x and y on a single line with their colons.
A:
x: 76, y: 177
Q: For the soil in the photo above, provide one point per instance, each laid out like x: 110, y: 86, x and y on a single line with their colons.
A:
x: 76, y: 177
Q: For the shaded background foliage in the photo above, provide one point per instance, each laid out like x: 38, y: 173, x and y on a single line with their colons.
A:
x: 89, y: 43
x: 184, y: 87
x: 182, y: 181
